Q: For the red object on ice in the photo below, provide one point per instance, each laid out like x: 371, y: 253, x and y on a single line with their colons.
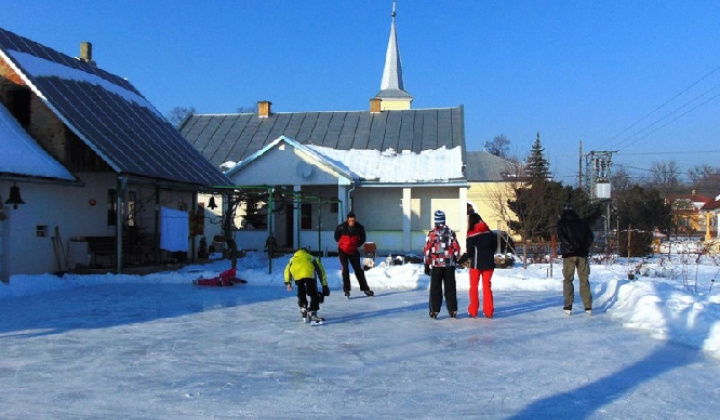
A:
x: 226, y: 278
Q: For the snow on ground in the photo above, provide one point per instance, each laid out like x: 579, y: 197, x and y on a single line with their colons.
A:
x: 155, y: 346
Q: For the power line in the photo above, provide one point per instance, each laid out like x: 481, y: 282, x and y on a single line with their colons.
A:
x: 668, y: 115
x: 683, y: 152
x: 663, y: 105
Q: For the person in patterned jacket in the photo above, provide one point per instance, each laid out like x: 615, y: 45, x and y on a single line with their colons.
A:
x: 441, y: 252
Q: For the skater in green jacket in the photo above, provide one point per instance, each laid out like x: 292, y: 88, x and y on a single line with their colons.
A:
x: 303, y: 269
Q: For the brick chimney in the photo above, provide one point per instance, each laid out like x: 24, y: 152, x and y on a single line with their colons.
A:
x: 86, y: 52
x: 375, y: 104
x: 264, y: 108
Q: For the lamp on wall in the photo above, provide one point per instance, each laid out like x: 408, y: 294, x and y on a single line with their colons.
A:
x: 14, y: 198
x: 211, y: 203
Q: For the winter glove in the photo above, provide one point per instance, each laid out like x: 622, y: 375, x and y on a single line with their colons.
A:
x: 427, y: 269
x: 326, y: 290
x: 463, y: 258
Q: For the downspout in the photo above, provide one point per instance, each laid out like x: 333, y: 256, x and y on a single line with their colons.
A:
x: 270, y: 229
x: 156, y: 232
x: 193, y: 248
x: 319, y: 229
x: 347, y: 198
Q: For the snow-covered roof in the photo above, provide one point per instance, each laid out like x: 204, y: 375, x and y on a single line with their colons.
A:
x: 235, y: 137
x: 373, y: 166
x: 107, y: 113
x: 22, y: 156
x: 310, y: 152
x: 392, y: 167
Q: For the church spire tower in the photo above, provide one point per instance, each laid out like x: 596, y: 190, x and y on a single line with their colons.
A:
x: 392, y: 90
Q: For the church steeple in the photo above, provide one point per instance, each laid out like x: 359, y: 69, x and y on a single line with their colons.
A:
x: 392, y: 90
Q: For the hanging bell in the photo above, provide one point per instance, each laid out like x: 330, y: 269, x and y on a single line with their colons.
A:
x: 14, y: 198
x: 211, y: 203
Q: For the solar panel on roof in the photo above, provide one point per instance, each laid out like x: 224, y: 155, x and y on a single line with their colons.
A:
x: 110, y: 115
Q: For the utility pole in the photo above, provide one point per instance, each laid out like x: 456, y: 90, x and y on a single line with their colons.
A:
x: 598, y: 166
x: 580, y: 171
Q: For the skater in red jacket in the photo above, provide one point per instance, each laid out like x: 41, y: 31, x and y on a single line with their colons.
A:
x: 480, y: 243
x: 350, y: 235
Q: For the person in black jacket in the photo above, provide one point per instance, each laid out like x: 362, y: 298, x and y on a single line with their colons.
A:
x: 575, y: 239
x: 350, y: 235
x: 481, y: 243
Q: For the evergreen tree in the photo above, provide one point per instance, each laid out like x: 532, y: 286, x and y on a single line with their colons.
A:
x: 639, y: 212
x: 537, y: 166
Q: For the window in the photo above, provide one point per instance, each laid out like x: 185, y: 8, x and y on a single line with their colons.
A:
x: 334, y: 206
x: 112, y: 208
x: 306, y: 216
x: 41, y: 231
x: 19, y: 104
x: 131, y: 208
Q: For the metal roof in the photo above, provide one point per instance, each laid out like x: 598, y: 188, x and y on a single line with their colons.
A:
x: 108, y: 114
x: 234, y: 137
x: 486, y: 167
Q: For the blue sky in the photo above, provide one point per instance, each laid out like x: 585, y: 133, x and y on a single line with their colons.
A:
x: 637, y: 77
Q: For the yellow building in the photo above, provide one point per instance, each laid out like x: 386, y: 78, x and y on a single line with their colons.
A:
x: 492, y: 181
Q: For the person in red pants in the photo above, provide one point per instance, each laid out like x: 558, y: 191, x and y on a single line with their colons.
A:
x: 480, y: 244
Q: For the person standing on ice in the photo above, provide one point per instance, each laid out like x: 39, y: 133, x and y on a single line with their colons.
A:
x: 302, y: 268
x: 441, y: 252
x: 480, y: 244
x: 575, y: 239
x: 350, y: 235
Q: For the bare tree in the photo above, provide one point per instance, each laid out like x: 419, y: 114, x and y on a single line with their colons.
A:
x: 499, y: 146
x: 620, y: 180
x: 178, y: 114
x: 252, y: 109
x: 705, y: 179
x: 665, y: 176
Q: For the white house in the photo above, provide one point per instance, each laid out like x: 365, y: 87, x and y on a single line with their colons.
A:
x: 94, y: 161
x: 392, y: 165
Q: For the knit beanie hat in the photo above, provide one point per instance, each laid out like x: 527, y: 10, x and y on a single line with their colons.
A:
x: 439, y: 217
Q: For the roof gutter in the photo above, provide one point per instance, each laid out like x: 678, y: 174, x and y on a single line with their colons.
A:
x: 450, y: 183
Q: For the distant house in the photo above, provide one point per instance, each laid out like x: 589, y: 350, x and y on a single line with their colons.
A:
x: 93, y: 160
x: 392, y: 165
x: 710, y: 214
x: 492, y: 182
x: 685, y: 211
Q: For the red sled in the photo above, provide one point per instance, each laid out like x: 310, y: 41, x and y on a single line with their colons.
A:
x: 226, y: 278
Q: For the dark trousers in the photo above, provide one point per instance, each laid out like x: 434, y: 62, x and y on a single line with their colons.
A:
x: 305, y: 288
x: 443, y: 277
x: 354, y: 260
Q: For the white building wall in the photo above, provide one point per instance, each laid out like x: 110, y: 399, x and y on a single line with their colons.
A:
x: 76, y: 211
x: 49, y: 206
